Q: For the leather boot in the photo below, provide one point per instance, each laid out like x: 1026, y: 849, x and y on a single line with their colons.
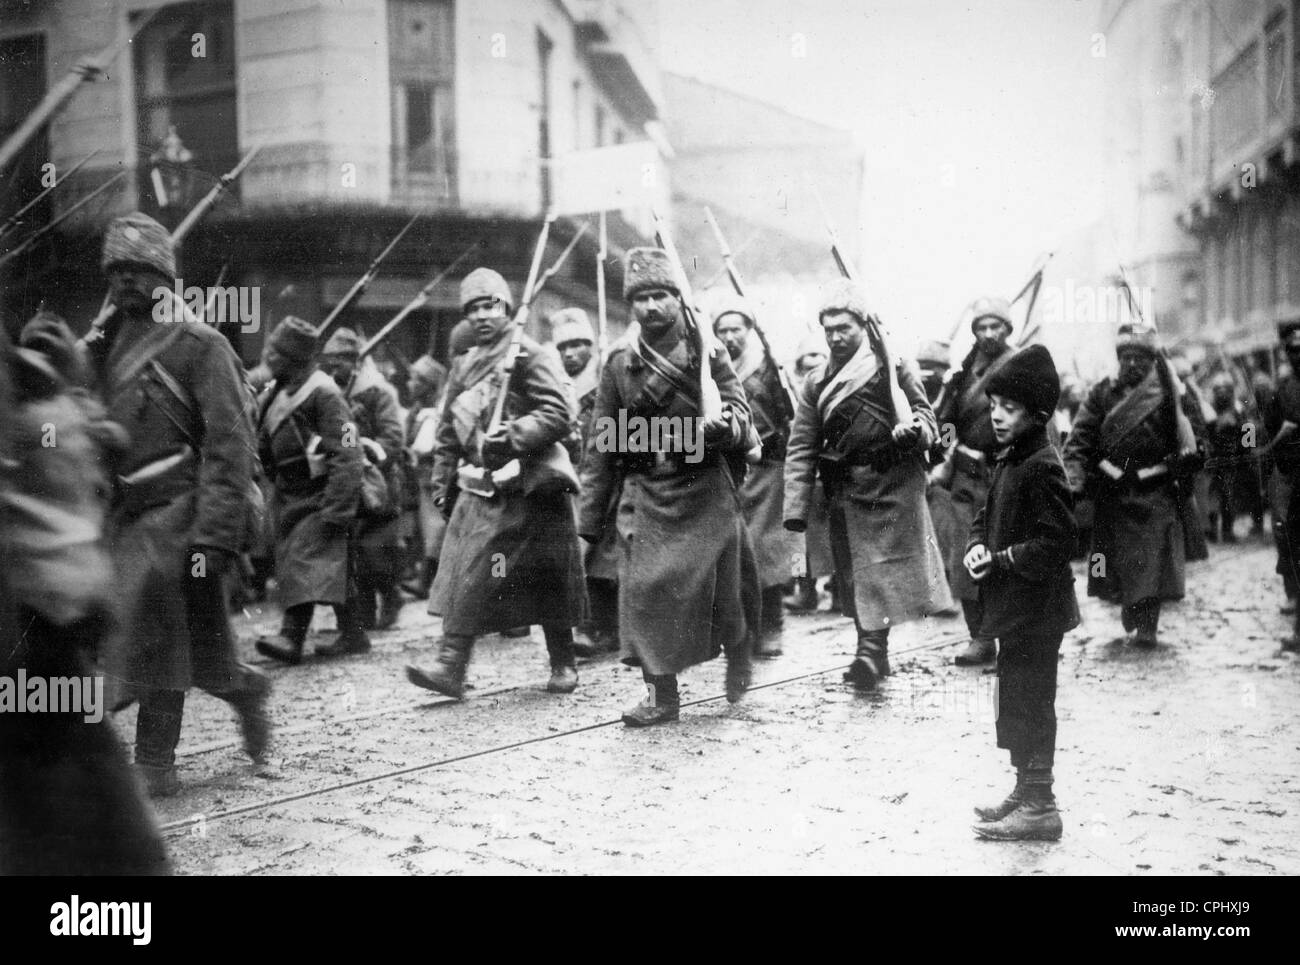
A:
x: 286, y: 646
x: 390, y: 607
x: 661, y: 704
x: 980, y: 650
x: 1013, y: 800
x: 157, y: 732
x: 249, y: 702
x: 805, y: 595
x: 564, y: 671
x: 1146, y: 620
x: 872, y: 660
x: 740, y: 670
x: 352, y: 638
x: 1036, y: 819
x: 447, y: 676
x: 773, y: 623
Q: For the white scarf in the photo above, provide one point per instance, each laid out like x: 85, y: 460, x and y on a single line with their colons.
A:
x: 853, y: 375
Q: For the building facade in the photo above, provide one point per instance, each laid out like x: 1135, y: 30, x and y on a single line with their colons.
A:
x: 366, y: 112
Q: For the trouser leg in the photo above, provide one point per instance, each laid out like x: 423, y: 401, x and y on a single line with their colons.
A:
x: 158, y: 728
x: 1026, y: 705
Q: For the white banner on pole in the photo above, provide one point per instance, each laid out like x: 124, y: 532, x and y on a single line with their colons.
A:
x: 606, y: 178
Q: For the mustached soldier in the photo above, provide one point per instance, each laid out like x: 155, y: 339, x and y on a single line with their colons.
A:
x: 762, y: 495
x: 688, y: 584
x: 1124, y: 452
x: 886, y: 557
x: 181, y: 513
x: 511, y: 556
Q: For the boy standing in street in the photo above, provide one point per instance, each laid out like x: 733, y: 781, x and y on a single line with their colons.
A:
x: 1019, y: 555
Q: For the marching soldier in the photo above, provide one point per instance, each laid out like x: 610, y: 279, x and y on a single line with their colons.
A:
x: 1282, y: 422
x: 378, y: 546
x: 762, y: 495
x: 688, y: 583
x: 575, y: 341
x: 511, y: 556
x: 966, y: 472
x: 1128, y: 451
x: 818, y: 561
x: 182, y: 511
x: 315, y: 469
x: 425, y: 383
x: 886, y: 557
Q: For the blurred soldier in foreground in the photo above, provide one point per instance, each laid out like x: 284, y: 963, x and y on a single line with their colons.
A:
x: 1127, y: 451
x: 886, y: 556
x: 378, y: 546
x: 69, y: 804
x: 688, y: 584
x: 511, y: 556
x: 967, y: 470
x: 762, y: 495
x: 182, y: 511
x: 575, y: 341
x: 303, y: 428
x: 1282, y: 423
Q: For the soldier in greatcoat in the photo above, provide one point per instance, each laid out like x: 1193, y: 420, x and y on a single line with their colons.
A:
x: 377, y: 545
x: 762, y: 494
x: 1126, y: 451
x: 425, y: 383
x: 688, y: 582
x: 873, y: 472
x: 511, y: 556
x: 967, y: 470
x: 182, y: 508
x: 312, y: 456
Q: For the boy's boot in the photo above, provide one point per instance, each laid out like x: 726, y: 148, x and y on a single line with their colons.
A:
x: 1036, y: 819
x: 981, y: 649
x: 661, y: 704
x: 1013, y: 800
x: 447, y: 675
x: 564, y: 671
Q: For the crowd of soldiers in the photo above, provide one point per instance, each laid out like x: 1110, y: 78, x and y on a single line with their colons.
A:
x: 507, y: 492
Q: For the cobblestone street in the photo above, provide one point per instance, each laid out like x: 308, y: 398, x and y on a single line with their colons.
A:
x: 1180, y: 761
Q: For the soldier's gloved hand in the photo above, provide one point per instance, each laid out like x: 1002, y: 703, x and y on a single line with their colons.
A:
x: 796, y: 525
x: 496, y: 449
x: 718, y: 430
x: 906, y: 436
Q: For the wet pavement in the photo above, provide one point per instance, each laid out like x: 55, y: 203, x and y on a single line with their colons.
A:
x: 1184, y: 760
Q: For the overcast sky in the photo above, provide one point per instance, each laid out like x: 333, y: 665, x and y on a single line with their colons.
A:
x: 980, y: 121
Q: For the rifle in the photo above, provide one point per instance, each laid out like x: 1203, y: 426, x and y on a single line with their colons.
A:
x: 42, y: 232
x: 418, y: 301
x: 521, y: 319
x: 177, y: 236
x: 1184, y: 436
x: 62, y: 92
x: 729, y: 263
x: 366, y: 278
x: 710, y: 396
x: 902, y: 408
x: 16, y: 217
x: 1032, y: 287
x: 212, y: 296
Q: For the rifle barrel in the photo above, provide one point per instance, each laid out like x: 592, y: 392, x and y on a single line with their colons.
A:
x: 418, y: 301
x: 41, y: 233
x: 366, y: 278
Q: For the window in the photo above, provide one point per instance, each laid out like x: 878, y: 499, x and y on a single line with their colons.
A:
x: 1234, y: 114
x: 421, y: 73
x: 184, y: 63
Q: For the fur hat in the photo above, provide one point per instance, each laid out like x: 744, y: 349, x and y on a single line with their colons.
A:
x: 935, y: 354
x: 844, y: 295
x: 137, y: 238
x: 428, y: 368
x: 992, y: 306
x: 344, y: 341
x: 1029, y: 376
x: 484, y: 283
x: 571, y: 325
x: 727, y: 302
x: 647, y: 268
x: 1136, y: 335
x: 294, y: 339
x: 814, y: 343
